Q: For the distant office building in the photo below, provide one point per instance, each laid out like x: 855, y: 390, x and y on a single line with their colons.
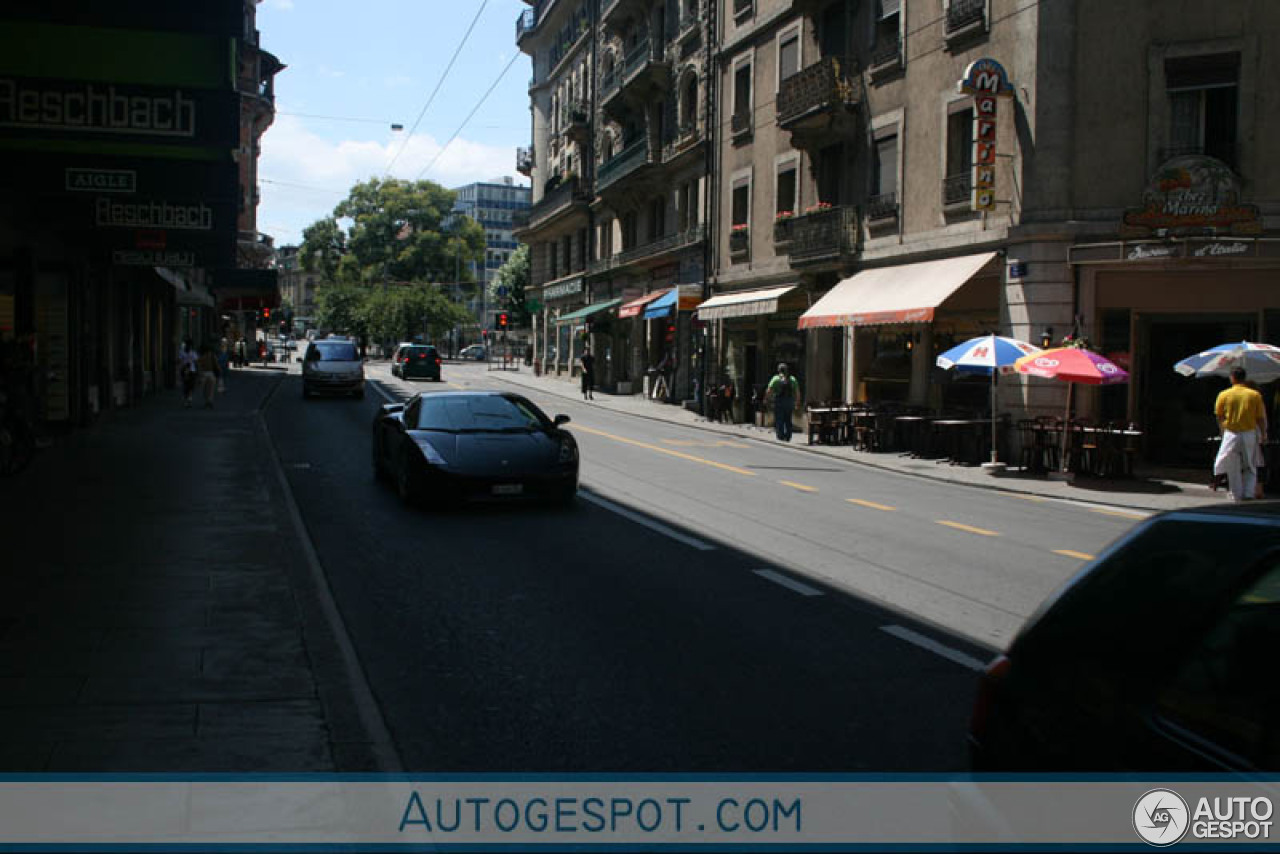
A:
x: 492, y: 204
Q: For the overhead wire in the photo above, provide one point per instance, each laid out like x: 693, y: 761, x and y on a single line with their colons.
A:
x: 474, y: 110
x: 405, y: 143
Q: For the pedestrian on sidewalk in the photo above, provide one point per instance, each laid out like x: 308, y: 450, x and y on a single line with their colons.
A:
x: 1241, y: 415
x: 588, y: 363
x: 187, y: 370
x: 224, y: 362
x: 783, y: 390
x: 208, y: 367
x: 241, y: 353
x: 726, y: 395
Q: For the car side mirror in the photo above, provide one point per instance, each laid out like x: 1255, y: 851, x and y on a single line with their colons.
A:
x: 561, y: 419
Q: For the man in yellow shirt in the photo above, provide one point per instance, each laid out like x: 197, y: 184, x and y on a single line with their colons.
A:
x: 1243, y: 420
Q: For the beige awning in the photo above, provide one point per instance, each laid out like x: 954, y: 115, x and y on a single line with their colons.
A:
x: 743, y: 303
x: 907, y: 293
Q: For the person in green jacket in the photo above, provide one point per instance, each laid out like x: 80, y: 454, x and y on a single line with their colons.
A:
x: 783, y: 391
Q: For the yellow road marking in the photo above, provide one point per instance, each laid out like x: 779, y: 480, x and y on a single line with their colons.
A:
x: 870, y: 504
x: 1121, y: 513
x: 799, y: 486
x: 1070, y: 553
x: 972, y: 530
x: 701, y: 443
x: 667, y: 451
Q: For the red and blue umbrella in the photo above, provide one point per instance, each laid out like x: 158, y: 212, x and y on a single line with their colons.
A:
x: 1260, y: 361
x: 1072, y: 365
x: 986, y: 355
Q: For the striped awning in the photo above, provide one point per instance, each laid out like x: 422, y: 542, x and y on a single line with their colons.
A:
x: 633, y: 308
x: 743, y: 303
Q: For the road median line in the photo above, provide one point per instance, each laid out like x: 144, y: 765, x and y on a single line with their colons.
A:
x: 960, y: 526
x: 667, y: 451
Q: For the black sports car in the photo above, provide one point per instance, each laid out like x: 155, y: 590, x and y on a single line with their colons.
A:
x: 444, y: 447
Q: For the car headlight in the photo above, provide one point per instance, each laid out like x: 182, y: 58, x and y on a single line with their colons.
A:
x: 429, y: 453
x: 568, y: 450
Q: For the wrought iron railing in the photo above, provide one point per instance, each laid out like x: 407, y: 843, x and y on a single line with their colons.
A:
x: 739, y: 241
x: 524, y: 160
x: 824, y: 234
x: 740, y: 123
x: 889, y: 50
x: 883, y: 206
x: 624, y: 163
x: 526, y: 23
x: 560, y: 196
x: 670, y: 243
x: 826, y: 84
x: 957, y: 189
x: 962, y: 13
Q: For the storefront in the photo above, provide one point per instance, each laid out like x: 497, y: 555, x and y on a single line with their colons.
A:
x: 587, y: 327
x: 551, y: 341
x: 752, y: 332
x: 899, y: 318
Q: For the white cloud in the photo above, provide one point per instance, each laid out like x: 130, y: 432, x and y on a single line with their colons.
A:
x: 304, y: 175
x: 282, y: 5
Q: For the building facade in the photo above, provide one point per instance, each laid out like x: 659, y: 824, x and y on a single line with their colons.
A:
x: 120, y: 235
x: 496, y: 205
x: 1071, y: 169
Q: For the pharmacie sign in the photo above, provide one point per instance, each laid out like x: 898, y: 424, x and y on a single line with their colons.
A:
x: 986, y: 80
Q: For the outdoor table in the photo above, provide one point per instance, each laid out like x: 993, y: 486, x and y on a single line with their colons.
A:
x: 826, y: 422
x: 911, y: 434
x: 962, y: 439
x: 862, y: 426
x: 1116, y: 449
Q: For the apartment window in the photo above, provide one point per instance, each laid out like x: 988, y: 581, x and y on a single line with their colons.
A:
x: 884, y: 178
x: 742, y: 98
x: 1204, y: 105
x: 657, y: 218
x: 606, y: 238
x: 888, y: 39
x: 689, y: 104
x: 582, y: 249
x: 630, y: 230
x: 788, y: 53
x: 959, y: 142
x: 552, y: 273
x: 786, y: 188
x: 687, y: 205
x: 566, y: 245
x: 741, y: 208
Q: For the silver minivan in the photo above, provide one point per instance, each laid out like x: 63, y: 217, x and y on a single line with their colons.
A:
x: 332, y: 367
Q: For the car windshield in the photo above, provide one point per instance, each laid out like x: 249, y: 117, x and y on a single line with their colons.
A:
x: 479, y: 413
x: 335, y: 351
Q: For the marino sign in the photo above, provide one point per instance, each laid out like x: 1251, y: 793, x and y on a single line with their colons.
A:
x: 1192, y: 194
x: 987, y: 82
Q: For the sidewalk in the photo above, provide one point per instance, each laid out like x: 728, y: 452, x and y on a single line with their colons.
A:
x: 156, y: 609
x: 1150, y: 491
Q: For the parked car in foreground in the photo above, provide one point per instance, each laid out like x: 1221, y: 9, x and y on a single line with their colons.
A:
x: 1157, y: 656
x: 332, y: 367
x: 416, y: 360
x: 446, y: 447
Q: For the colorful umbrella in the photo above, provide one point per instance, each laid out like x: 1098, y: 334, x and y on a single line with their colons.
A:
x: 1072, y: 365
x: 987, y: 355
x: 1260, y: 361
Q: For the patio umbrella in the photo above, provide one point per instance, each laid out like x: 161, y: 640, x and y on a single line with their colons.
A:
x: 1260, y: 361
x: 1071, y: 365
x: 990, y: 354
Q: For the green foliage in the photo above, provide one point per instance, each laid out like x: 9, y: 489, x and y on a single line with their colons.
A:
x: 323, y: 245
x: 339, y: 308
x: 400, y: 313
x: 514, y: 276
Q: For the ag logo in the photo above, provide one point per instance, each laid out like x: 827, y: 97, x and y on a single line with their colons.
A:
x: 1045, y: 362
x: 1160, y: 817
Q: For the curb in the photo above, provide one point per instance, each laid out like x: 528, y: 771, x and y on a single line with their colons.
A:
x: 816, y: 451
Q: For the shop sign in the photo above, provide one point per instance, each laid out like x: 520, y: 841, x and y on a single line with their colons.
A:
x: 77, y: 109
x: 101, y: 180
x: 1192, y: 193
x: 1216, y: 249
x: 153, y: 258
x: 1148, y: 251
x: 563, y: 289
x: 1202, y: 249
x: 985, y: 79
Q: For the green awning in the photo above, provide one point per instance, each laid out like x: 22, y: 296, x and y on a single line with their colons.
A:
x: 583, y: 313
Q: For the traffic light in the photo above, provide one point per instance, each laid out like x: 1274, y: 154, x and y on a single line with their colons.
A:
x: 502, y: 320
x: 266, y: 314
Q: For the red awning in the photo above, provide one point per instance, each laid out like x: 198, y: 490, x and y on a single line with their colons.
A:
x: 633, y: 308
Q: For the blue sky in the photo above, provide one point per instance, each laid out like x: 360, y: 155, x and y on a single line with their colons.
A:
x: 378, y: 61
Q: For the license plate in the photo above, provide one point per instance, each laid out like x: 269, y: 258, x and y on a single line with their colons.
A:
x: 508, y: 489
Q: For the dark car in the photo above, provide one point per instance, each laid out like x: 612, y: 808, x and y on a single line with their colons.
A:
x: 332, y: 366
x: 1160, y: 655
x: 455, y: 446
x: 416, y: 360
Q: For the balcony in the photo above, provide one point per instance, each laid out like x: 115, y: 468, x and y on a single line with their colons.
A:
x: 615, y: 14
x: 690, y: 25
x: 740, y: 124
x: 526, y: 22
x: 965, y: 19
x: 957, y: 191
x: 739, y: 242
x: 650, y: 251
x: 819, y: 97
x: 524, y: 161
x: 560, y: 197
x: 576, y: 121
x: 642, y: 75
x: 632, y: 158
x: 687, y: 139
x: 827, y: 234
x: 882, y: 207
x: 887, y: 56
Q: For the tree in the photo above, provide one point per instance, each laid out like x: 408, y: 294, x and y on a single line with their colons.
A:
x: 323, y: 246
x: 507, y: 288
x: 402, y: 313
x: 339, y: 308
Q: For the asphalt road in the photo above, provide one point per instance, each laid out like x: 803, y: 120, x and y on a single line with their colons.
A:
x: 708, y: 605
